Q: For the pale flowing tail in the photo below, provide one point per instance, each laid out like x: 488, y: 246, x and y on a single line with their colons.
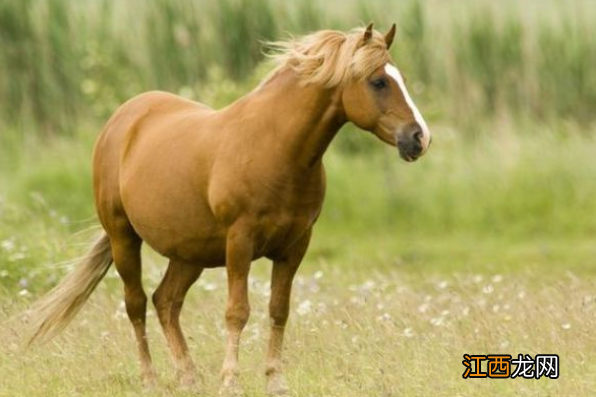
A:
x: 53, y: 312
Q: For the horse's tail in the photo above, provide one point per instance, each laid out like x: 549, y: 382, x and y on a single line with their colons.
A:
x: 53, y: 312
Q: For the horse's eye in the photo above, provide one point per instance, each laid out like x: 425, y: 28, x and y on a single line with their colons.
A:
x: 379, y: 84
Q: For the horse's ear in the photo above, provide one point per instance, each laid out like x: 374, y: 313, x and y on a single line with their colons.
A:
x: 389, y: 36
x: 368, y: 33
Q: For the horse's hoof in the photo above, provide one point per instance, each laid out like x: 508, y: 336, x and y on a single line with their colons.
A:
x: 149, y: 382
x: 277, y: 386
x: 231, y: 388
x: 281, y: 392
x: 187, y: 383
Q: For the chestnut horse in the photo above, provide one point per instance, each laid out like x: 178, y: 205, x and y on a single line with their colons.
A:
x: 209, y: 188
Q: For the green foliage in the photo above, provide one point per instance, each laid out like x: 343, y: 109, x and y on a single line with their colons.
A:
x: 38, y: 62
x: 241, y: 25
x: 492, y: 56
x: 173, y: 42
x: 66, y: 60
x: 568, y: 61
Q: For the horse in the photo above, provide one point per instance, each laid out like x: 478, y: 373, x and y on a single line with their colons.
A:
x: 212, y: 188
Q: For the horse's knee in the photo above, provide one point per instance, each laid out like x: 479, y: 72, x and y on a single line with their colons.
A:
x: 278, y: 320
x: 237, y: 315
x: 278, y: 313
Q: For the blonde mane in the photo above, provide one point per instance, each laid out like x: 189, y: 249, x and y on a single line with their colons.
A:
x: 330, y: 58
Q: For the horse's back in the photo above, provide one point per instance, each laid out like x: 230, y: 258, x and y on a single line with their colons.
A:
x: 155, y: 107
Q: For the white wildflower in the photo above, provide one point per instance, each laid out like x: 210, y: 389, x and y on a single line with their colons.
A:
x: 17, y: 256
x: 384, y: 317
x: 442, y: 284
x: 497, y: 278
x: 8, y: 244
x: 304, y: 308
x: 368, y: 285
x: 566, y: 326
x: 209, y: 286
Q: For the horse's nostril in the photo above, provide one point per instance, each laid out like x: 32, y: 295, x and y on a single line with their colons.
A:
x: 418, y: 135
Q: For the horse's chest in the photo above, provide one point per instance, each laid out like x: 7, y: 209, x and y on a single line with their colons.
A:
x: 276, y: 204
x: 281, y: 220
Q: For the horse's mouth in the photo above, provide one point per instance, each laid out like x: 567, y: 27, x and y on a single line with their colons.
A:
x: 407, y: 154
x: 407, y: 158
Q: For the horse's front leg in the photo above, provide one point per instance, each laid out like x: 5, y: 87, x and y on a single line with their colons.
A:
x: 283, y: 272
x: 239, y: 253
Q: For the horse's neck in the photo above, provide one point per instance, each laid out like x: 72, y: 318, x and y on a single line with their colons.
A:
x: 302, y: 119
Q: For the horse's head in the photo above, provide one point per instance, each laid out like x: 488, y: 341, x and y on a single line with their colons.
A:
x: 379, y: 102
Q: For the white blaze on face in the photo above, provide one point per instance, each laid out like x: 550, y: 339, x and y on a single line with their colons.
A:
x: 396, y: 75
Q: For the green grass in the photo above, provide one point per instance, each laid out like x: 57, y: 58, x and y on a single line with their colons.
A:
x: 351, y: 333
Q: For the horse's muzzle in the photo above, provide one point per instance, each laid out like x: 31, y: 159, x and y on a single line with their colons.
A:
x: 409, y: 142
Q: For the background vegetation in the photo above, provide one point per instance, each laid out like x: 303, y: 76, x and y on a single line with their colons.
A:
x: 64, y: 61
x: 507, y: 189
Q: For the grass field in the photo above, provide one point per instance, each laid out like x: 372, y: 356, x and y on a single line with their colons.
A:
x: 486, y: 245
x: 380, y: 332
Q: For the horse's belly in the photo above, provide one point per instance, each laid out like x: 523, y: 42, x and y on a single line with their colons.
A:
x: 207, y: 251
x: 204, y: 246
x: 178, y: 226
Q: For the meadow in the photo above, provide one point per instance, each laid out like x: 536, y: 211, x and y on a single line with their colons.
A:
x: 486, y: 245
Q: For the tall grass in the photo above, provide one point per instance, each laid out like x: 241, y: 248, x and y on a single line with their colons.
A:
x: 66, y: 60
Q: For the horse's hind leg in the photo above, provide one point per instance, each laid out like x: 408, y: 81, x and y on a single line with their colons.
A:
x: 168, y: 300
x: 126, y: 249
